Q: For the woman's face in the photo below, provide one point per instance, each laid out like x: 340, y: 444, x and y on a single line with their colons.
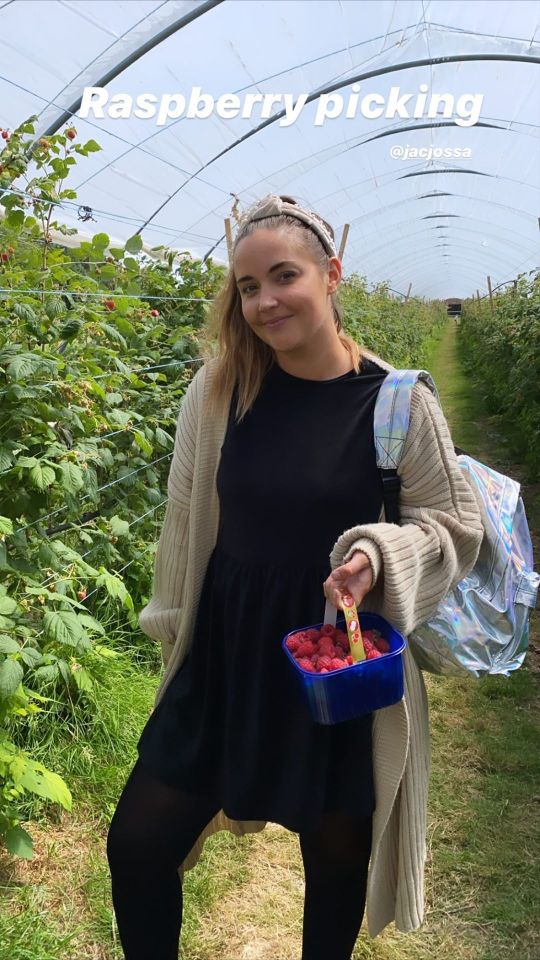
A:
x: 284, y: 292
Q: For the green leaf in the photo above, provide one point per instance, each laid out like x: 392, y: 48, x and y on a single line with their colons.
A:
x: 119, y: 418
x: 63, y: 626
x: 6, y: 526
x: 48, y: 672
x: 42, y: 477
x: 100, y: 241
x: 164, y: 439
x: 124, y: 326
x: 105, y: 651
x: 132, y: 265
x: 27, y: 462
x: 6, y: 459
x: 16, y: 768
x: 141, y: 441
x: 47, y: 556
x: 114, y: 587
x: 8, y: 606
x: 134, y: 244
x: 54, y: 306
x: 82, y: 678
x: 114, y: 334
x: 70, y: 328
x: 72, y: 476
x: 15, y: 218
x: 37, y: 779
x: 119, y: 528
x: 8, y: 644
x: 19, y: 843
x: 24, y: 312
x: 30, y: 656
x: 92, y: 147
x: 27, y: 364
x: 91, y: 624
x: 11, y: 674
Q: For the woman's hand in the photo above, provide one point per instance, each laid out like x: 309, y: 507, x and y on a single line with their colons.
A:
x: 354, y: 577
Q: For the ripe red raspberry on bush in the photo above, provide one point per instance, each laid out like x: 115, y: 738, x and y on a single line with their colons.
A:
x: 327, y: 649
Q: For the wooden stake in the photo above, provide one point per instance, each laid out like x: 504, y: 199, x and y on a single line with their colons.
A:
x: 344, y: 236
x: 408, y: 293
x: 478, y: 296
x: 490, y: 293
x: 229, y: 236
x: 515, y: 286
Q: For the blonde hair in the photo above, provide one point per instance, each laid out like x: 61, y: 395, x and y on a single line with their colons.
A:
x: 242, y: 356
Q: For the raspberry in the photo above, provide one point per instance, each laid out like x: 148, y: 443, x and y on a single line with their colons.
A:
x: 368, y: 646
x: 339, y: 654
x: 373, y: 654
x: 324, y: 670
x: 328, y: 630
x: 306, y: 665
x: 349, y: 659
x: 342, y: 639
x: 327, y: 650
x: 382, y: 645
x: 325, y: 663
x: 292, y: 644
x: 306, y: 649
x: 336, y: 664
x: 312, y: 635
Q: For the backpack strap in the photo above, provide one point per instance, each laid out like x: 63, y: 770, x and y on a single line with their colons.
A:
x: 390, y: 426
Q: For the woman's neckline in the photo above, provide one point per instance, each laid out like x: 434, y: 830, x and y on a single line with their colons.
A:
x: 291, y: 376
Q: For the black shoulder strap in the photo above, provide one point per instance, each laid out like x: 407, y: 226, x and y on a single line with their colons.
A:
x: 391, y: 486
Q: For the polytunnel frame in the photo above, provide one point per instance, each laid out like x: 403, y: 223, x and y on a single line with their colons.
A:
x: 132, y: 57
x: 400, y: 239
x: 205, y: 7
x: 357, y: 78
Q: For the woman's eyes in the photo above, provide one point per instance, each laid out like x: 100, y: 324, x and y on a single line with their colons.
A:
x: 250, y: 287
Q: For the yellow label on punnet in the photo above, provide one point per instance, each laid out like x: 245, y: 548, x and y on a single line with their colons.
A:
x: 352, y: 623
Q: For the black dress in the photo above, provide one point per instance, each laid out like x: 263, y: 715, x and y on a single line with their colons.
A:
x: 232, y: 725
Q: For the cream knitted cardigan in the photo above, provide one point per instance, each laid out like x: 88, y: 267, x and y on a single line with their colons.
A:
x: 415, y: 564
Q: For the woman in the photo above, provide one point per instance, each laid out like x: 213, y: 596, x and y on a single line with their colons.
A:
x: 275, y: 505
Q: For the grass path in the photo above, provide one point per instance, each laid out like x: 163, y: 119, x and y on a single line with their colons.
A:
x: 482, y: 879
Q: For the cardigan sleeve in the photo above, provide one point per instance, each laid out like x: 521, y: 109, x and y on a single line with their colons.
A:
x: 438, y: 540
x: 160, y: 618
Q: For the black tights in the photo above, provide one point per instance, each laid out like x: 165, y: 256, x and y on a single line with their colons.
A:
x: 154, y: 828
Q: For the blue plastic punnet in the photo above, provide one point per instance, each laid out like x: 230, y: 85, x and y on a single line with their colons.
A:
x: 358, y: 688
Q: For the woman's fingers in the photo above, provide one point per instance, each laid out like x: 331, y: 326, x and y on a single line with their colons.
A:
x: 354, y: 577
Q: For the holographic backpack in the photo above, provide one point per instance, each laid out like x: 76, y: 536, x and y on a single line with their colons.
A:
x: 482, y: 625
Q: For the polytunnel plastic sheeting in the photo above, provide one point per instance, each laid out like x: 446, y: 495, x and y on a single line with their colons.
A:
x: 439, y: 223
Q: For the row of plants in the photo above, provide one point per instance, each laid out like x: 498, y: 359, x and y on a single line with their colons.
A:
x: 95, y: 355
x: 97, y: 346
x: 500, y: 347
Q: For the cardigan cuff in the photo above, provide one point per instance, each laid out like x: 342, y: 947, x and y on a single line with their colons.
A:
x: 367, y: 546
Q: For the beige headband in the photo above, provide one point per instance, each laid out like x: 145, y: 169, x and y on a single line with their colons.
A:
x: 273, y: 206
